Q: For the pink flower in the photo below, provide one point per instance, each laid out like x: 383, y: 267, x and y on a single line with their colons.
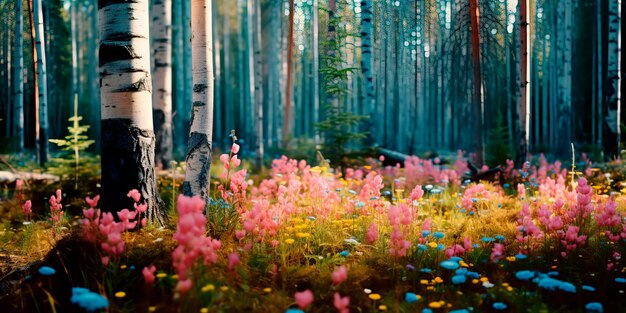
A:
x: 342, y: 304
x: 235, y: 148
x: 233, y: 260
x: 92, y: 202
x: 184, y: 285
x: 239, y: 234
x: 148, y: 274
x: 372, y: 233
x: 497, y: 252
x: 27, y: 207
x: 135, y: 194
x: 304, y: 298
x: 339, y: 275
x: 141, y: 208
x: 105, y: 260
x: 417, y: 193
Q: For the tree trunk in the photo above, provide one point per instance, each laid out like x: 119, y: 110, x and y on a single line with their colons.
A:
x: 316, y: 69
x: 367, y: 17
x: 287, y: 117
x: 127, y: 128
x: 523, y: 101
x: 18, y: 85
x: 162, y: 86
x: 42, y: 81
x: 258, y: 83
x: 611, y: 129
x: 200, y: 136
x: 564, y: 105
x: 477, y: 104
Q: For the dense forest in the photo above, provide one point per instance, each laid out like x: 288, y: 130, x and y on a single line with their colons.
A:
x: 541, y: 72
x: 312, y: 156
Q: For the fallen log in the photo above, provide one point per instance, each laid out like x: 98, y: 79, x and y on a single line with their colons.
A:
x: 7, y: 177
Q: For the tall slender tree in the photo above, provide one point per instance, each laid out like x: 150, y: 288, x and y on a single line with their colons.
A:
x: 477, y: 98
x: 367, y: 18
x: 612, y: 101
x: 201, y: 130
x: 42, y: 91
x: 127, y: 128
x: 18, y: 75
x: 523, y: 101
x: 162, y: 86
x: 287, y: 116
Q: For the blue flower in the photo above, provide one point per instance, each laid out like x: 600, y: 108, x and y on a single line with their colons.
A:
x: 88, y: 299
x: 620, y: 280
x: 441, y: 247
x: 438, y: 235
x: 410, y: 267
x: 550, y: 283
x: 475, y: 246
x: 499, y: 306
x: 426, y: 270
x: 374, y: 198
x: 455, y: 259
x: 352, y: 192
x: 427, y: 310
x: 450, y: 265
x: 507, y: 185
x: 460, y: 311
x: 525, y: 275
x: 487, y: 239
x: 521, y: 256
x: 344, y: 253
x: 410, y: 297
x: 588, y: 288
x: 461, y: 271
x: 46, y: 271
x: 293, y: 310
x: 500, y: 238
x: 594, y: 307
x: 421, y: 247
x: 458, y: 279
x: 425, y: 233
x: 359, y: 204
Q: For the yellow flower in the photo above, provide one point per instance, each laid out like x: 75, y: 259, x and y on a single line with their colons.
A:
x: 509, y: 288
x: 424, y: 282
x: 430, y: 288
x: 438, y: 280
x: 123, y: 266
x: 303, y: 235
x: 474, y: 281
x: 267, y: 290
x: 207, y: 288
x: 432, y: 244
x: 436, y: 304
x: 224, y: 288
x: 151, y: 308
x: 382, y: 307
x: 289, y: 241
x: 374, y: 296
x: 204, y: 310
x: 484, y: 279
x: 120, y: 294
x: 463, y: 264
x: 510, y: 258
x: 175, y: 276
x: 161, y: 275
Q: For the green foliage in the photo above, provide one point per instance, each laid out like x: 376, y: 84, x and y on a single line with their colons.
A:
x: 75, y: 141
x: 340, y: 129
x: 498, y: 148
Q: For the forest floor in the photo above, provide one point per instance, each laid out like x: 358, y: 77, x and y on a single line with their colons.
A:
x: 301, y: 238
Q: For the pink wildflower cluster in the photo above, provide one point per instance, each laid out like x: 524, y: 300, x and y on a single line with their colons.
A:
x: 342, y: 304
x: 583, y: 207
x: 528, y: 233
x: 400, y: 218
x: 571, y: 239
x: 497, y: 252
x: 472, y: 194
x: 339, y: 275
x: 91, y: 221
x: 610, y: 220
x: 113, y: 245
x: 126, y: 216
x: 56, y: 208
x: 192, y: 242
x: 258, y: 222
x: 236, y: 182
x: 424, y: 171
x: 372, y: 185
x: 27, y: 209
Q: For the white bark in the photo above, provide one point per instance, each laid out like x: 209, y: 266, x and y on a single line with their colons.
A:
x: 162, y: 80
x: 18, y: 85
x: 611, y: 136
x: 201, y: 131
x: 41, y: 76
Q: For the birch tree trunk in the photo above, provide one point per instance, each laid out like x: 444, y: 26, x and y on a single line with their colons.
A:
x: 127, y: 129
x: 287, y: 117
x: 611, y: 129
x: 523, y: 101
x: 42, y: 93
x: 162, y: 87
x: 316, y: 70
x: 564, y: 105
x: 201, y: 130
x: 18, y: 84
x: 258, y: 83
x: 367, y: 17
x: 477, y: 104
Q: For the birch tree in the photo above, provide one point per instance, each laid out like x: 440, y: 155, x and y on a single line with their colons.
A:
x: 201, y: 129
x: 564, y: 83
x: 611, y: 129
x: 523, y: 101
x: 477, y: 104
x: 367, y: 17
x: 162, y: 94
x: 287, y: 116
x: 126, y: 104
x: 18, y: 75
x: 42, y: 91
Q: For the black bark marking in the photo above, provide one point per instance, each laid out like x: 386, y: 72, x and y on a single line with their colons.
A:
x: 128, y: 163
x: 143, y: 84
x: 110, y: 52
x: 199, y: 147
x: 200, y: 87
